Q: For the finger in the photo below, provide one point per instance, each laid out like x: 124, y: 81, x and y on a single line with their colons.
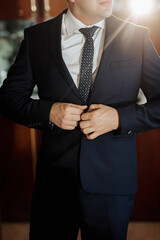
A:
x: 68, y: 123
x: 69, y: 128
x: 86, y: 116
x: 75, y: 117
x: 93, y: 135
x: 88, y: 130
x: 76, y: 111
x: 71, y: 123
x: 78, y: 106
x: 95, y: 106
x: 84, y: 124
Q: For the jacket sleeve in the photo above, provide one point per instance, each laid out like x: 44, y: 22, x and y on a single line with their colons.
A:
x: 136, y: 118
x: 15, y: 94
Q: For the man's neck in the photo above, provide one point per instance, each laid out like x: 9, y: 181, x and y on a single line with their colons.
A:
x: 85, y: 19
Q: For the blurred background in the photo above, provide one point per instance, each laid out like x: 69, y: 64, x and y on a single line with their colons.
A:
x: 19, y: 145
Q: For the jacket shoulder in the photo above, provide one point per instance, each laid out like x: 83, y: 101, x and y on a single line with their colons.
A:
x: 40, y: 27
x: 128, y: 25
x: 43, y: 26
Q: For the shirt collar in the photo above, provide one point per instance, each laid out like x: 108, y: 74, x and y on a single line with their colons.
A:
x: 72, y: 24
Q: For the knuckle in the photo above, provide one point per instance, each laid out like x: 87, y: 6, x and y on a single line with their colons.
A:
x: 66, y: 108
x: 82, y: 117
x: 81, y: 124
x: 81, y: 111
x: 85, y: 131
x: 66, y: 115
x: 63, y: 121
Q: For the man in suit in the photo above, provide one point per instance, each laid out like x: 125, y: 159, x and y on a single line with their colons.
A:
x: 88, y: 66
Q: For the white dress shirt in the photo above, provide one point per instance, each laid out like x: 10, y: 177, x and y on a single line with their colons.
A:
x: 72, y: 42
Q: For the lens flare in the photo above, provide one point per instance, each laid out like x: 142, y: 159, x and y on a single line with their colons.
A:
x: 141, y: 7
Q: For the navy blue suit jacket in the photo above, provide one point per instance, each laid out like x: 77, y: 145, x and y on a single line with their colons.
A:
x: 67, y: 159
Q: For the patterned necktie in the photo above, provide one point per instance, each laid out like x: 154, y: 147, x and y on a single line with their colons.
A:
x: 87, y: 62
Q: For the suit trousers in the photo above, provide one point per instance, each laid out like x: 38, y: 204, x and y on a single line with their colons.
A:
x: 59, y: 215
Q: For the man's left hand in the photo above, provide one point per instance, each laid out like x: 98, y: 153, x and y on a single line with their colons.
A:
x: 99, y: 119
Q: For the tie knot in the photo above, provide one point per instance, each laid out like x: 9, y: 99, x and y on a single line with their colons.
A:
x: 88, y: 32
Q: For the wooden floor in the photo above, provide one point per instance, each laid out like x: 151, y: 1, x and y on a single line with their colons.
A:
x: 136, y: 231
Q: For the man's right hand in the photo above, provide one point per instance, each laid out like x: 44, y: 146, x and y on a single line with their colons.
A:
x: 66, y: 115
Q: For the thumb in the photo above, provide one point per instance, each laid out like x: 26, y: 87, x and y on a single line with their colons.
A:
x: 82, y: 106
x: 94, y: 106
x: 78, y: 106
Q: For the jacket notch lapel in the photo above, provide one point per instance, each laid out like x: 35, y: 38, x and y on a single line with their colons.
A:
x: 112, y: 31
x: 56, y: 51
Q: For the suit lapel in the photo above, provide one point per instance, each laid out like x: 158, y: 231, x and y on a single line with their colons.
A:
x: 113, y: 28
x: 56, y: 51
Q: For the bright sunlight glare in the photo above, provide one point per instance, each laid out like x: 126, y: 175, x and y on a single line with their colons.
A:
x: 141, y: 7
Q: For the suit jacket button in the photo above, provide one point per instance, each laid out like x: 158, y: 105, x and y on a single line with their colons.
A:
x: 130, y: 132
